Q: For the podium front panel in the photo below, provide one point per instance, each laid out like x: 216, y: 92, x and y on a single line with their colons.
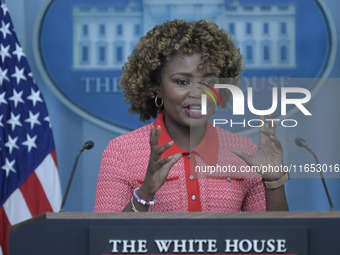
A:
x: 313, y: 233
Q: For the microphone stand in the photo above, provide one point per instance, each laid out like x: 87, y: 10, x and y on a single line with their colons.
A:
x: 322, y: 179
x: 88, y: 145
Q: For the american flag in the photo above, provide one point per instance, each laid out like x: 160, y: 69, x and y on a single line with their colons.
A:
x: 29, y: 179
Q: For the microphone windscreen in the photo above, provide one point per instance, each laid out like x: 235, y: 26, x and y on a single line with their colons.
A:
x: 88, y: 145
x: 300, y: 141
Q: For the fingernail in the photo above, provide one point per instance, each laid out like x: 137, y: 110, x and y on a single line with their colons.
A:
x: 171, y: 143
x: 158, y: 127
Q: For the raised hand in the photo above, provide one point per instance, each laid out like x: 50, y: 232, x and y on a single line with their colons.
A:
x: 268, y: 153
x: 158, y: 168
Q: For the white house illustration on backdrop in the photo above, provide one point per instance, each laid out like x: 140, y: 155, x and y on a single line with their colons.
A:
x: 103, y: 37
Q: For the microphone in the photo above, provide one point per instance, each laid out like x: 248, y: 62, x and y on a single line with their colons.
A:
x: 302, y: 143
x: 87, y: 146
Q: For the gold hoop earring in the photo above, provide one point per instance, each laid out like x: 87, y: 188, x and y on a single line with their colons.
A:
x: 156, y: 102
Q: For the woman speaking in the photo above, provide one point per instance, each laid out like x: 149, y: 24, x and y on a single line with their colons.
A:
x: 151, y: 168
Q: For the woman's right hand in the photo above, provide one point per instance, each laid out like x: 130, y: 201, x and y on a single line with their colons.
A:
x: 158, y: 168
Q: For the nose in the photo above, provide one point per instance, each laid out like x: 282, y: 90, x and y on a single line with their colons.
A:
x: 195, y: 93
x: 195, y: 90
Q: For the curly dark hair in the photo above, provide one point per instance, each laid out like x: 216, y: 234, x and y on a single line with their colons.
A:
x: 141, y: 73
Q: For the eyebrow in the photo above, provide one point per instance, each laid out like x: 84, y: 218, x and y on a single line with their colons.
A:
x: 190, y: 75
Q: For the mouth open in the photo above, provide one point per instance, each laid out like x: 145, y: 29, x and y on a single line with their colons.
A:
x: 194, y: 110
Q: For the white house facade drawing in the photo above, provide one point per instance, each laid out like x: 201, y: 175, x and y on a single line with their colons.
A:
x: 104, y: 36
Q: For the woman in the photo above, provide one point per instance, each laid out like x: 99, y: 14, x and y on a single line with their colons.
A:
x: 155, y: 160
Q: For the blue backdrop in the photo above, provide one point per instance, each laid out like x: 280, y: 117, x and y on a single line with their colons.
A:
x: 71, y: 129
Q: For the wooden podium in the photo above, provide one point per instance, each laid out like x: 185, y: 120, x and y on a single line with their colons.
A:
x: 314, y: 233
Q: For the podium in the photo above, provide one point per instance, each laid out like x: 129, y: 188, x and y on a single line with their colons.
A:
x: 313, y: 233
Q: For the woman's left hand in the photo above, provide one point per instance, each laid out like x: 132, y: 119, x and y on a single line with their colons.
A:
x: 268, y: 153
